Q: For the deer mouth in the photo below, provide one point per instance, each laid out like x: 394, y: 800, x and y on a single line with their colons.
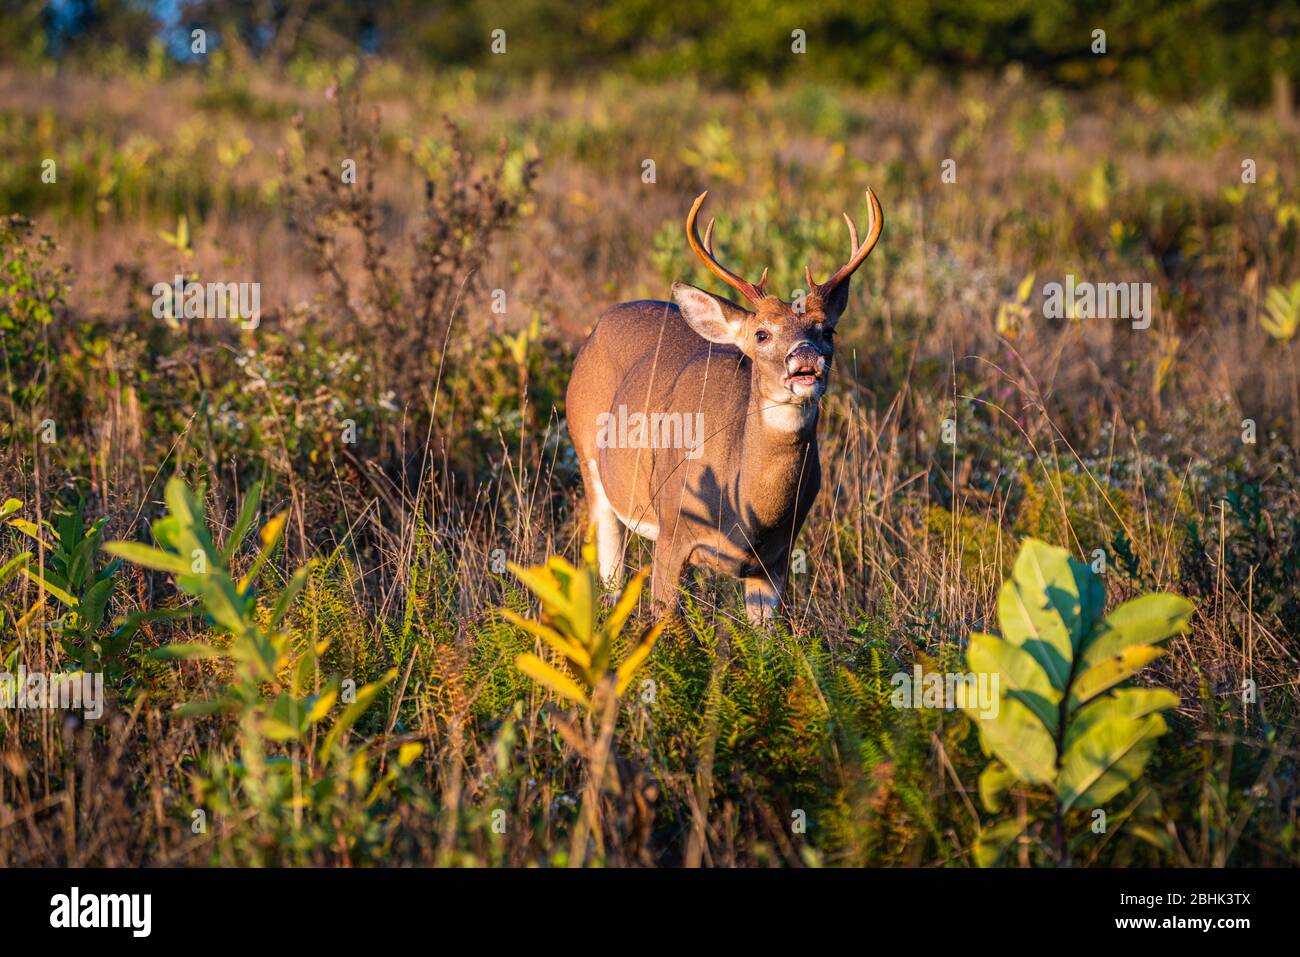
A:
x: 804, y: 380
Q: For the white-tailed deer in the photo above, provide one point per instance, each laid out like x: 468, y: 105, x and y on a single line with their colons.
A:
x: 696, y: 423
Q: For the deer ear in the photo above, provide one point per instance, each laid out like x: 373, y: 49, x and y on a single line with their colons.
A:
x: 835, y: 303
x: 716, y: 319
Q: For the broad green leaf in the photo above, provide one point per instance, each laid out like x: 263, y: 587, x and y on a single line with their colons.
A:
x: 582, y: 601
x: 220, y: 600
x: 1124, y: 702
x: 31, y: 531
x: 1106, y: 760
x: 1028, y: 622
x: 540, y: 584
x: 319, y: 705
x: 1068, y: 586
x: 1016, y: 671
x: 1018, y: 739
x: 10, y: 506
x: 1111, y: 671
x: 96, y: 599
x: 626, y: 603
x: 1147, y: 620
x: 286, y: 719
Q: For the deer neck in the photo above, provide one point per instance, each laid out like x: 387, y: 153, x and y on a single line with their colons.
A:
x: 776, y: 447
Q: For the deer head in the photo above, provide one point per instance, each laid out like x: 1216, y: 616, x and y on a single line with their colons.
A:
x: 789, y: 344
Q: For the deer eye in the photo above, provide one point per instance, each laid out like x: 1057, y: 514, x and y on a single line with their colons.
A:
x: 763, y: 336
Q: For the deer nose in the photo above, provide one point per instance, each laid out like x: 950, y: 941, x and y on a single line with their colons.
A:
x: 804, y: 359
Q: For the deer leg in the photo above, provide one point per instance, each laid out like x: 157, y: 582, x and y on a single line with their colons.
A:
x: 762, y: 599
x: 669, y: 566
x: 609, y: 530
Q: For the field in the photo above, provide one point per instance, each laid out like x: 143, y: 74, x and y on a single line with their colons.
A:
x: 394, y: 426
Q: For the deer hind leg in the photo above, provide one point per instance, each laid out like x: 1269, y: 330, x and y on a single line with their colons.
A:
x: 762, y: 600
x: 609, y: 530
x: 665, y: 586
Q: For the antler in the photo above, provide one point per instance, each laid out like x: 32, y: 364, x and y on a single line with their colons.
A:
x: 857, y: 254
x: 754, y: 293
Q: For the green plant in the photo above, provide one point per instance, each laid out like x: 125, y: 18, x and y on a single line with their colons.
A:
x: 570, y: 599
x: 73, y: 575
x: 1061, y: 723
x: 8, y: 569
x: 265, y: 656
x: 1281, y: 316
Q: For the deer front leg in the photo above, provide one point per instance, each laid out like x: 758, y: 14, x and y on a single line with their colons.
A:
x: 763, y: 598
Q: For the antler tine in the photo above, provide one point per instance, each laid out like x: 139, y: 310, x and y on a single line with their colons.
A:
x: 853, y: 235
x: 704, y: 249
x: 859, y: 253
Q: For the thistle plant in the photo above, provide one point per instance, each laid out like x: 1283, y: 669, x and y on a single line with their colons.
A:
x: 570, y: 600
x: 1063, y: 724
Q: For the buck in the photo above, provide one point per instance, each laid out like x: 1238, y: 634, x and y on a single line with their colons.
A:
x: 731, y: 493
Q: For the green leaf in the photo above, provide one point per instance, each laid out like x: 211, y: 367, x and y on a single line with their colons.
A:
x: 1124, y: 702
x: 92, y: 608
x: 1110, y: 672
x: 574, y: 652
x: 14, y: 566
x: 31, y: 531
x: 247, y: 513
x: 10, y: 506
x: 1018, y: 675
x: 197, y: 709
x: 153, y: 558
x: 290, y: 592
x: 1107, y: 759
x: 1147, y: 620
x: 994, y: 842
x: 1019, y: 740
x: 50, y: 587
x: 186, y: 651
x: 353, y: 711
x: 1028, y: 622
x: 994, y: 783
x: 551, y: 678
x: 224, y: 605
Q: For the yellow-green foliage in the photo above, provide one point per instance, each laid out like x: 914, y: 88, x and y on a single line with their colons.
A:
x: 1061, y: 722
x: 570, y: 599
x: 277, y: 693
